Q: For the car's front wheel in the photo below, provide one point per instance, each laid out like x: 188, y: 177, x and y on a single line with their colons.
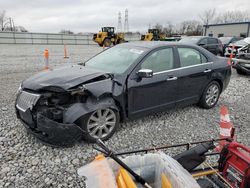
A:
x: 210, y: 95
x: 101, y: 123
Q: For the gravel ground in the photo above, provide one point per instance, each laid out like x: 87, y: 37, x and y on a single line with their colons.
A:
x: 26, y: 162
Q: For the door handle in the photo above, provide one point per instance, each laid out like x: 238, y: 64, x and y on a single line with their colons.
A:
x: 171, y: 78
x: 207, y: 70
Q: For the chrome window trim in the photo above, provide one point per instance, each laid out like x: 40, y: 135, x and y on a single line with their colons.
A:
x: 180, y: 68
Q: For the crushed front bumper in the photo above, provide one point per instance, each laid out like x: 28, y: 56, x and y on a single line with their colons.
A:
x: 49, y: 131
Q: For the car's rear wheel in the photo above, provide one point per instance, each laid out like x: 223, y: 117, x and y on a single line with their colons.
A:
x: 210, y: 95
x: 101, y: 123
x: 240, y: 72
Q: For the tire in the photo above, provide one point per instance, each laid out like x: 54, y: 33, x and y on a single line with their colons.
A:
x: 240, y: 72
x: 210, y: 95
x: 107, y: 42
x: 99, y: 129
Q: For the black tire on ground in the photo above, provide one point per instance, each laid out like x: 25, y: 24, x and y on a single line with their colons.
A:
x: 210, y: 95
x: 240, y: 72
x: 107, y: 42
x: 85, y: 122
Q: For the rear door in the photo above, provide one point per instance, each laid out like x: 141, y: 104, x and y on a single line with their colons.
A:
x: 194, y: 74
x: 157, y: 92
x: 213, y: 45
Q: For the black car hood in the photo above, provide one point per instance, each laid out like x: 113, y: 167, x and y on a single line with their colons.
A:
x: 65, y: 77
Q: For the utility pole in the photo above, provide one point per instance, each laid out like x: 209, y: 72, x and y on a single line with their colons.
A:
x: 126, y: 25
x: 10, y: 23
x: 119, y: 27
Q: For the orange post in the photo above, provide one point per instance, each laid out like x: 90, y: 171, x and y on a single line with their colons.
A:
x: 229, y: 62
x: 46, y: 59
x: 226, y: 127
x: 65, y: 52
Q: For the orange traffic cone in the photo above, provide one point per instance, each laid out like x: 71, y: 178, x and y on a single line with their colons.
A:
x: 229, y: 62
x: 65, y: 52
x: 46, y: 59
x: 226, y: 128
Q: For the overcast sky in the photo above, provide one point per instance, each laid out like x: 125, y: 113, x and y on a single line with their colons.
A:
x: 91, y: 15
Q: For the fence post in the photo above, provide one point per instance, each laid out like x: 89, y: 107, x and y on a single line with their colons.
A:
x: 14, y: 37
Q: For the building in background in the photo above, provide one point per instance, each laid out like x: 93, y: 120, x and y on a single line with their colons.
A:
x: 239, y: 29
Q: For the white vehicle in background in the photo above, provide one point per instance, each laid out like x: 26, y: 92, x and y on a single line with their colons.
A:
x: 237, y: 46
x: 242, y: 61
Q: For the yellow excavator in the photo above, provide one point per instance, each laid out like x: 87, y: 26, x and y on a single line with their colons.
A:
x: 153, y: 34
x: 107, y: 37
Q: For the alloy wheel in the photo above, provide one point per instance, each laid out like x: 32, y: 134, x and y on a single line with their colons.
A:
x: 212, y: 94
x: 101, y: 123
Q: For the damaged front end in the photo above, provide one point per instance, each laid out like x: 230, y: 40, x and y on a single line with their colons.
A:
x: 242, y: 61
x: 51, y: 113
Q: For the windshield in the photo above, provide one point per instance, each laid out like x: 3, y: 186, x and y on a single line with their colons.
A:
x: 240, y: 43
x: 115, y: 60
x: 190, y: 40
x: 225, y: 40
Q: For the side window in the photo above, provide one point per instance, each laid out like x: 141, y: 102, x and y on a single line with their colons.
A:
x: 212, y: 41
x: 203, y: 41
x: 189, y: 56
x: 160, y: 60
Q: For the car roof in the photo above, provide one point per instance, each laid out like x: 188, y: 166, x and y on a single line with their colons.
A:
x: 154, y: 44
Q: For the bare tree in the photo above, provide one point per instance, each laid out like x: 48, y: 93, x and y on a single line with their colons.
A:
x: 159, y: 27
x: 2, y: 20
x: 233, y: 16
x: 190, y: 27
x: 168, y: 29
x: 208, y: 16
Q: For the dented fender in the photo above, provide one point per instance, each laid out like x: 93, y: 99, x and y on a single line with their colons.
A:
x: 77, y: 110
x: 100, y: 88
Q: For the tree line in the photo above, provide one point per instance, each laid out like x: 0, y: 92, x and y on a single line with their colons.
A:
x: 195, y: 27
x: 7, y: 23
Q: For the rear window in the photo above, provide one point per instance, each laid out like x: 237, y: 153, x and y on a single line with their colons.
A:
x: 212, y: 41
x: 225, y: 40
x: 190, y: 40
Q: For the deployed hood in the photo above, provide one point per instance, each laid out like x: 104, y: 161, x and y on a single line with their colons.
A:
x: 65, y: 77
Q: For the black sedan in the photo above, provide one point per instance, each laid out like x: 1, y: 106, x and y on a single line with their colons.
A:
x: 211, y: 44
x: 126, y: 81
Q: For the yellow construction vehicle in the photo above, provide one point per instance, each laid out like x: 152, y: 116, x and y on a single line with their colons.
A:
x: 153, y: 34
x: 107, y: 37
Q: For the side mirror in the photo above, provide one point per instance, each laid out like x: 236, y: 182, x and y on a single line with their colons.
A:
x: 201, y: 44
x: 145, y: 73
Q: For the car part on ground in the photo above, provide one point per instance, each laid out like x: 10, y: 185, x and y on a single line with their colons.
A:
x: 107, y: 37
x: 72, y: 96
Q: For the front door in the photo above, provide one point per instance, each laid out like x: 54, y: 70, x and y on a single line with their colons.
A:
x: 157, y: 92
